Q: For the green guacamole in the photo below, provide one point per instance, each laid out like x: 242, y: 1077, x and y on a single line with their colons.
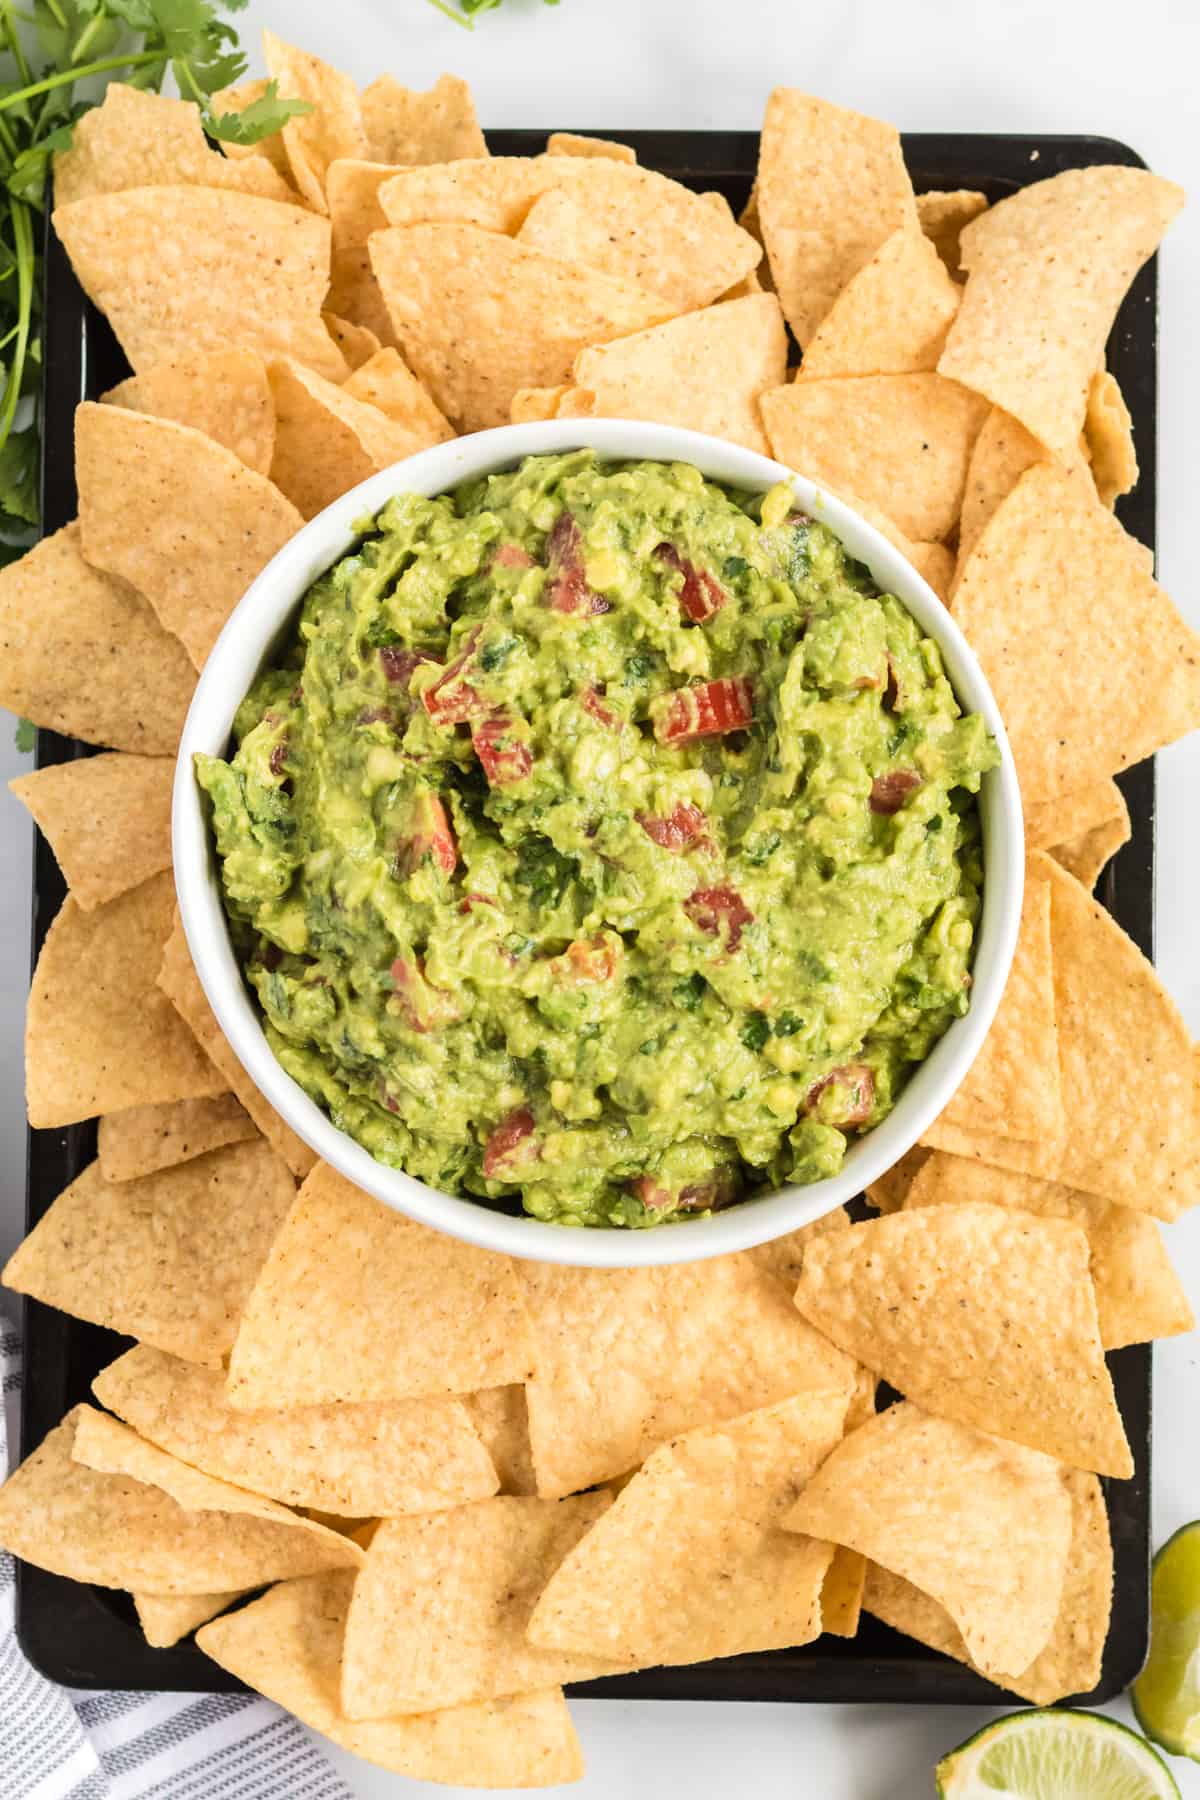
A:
x: 604, y: 843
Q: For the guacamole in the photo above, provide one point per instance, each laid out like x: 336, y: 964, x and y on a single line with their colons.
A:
x: 604, y: 842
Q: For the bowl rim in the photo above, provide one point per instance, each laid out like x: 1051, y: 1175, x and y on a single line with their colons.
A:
x: 242, y: 647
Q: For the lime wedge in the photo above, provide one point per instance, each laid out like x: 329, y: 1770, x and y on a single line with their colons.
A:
x: 1166, y: 1695
x: 1055, y: 1755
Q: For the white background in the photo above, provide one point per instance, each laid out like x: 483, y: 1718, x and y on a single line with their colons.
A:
x: 1075, y: 65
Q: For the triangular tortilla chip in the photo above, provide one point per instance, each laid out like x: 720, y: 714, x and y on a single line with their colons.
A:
x: 405, y: 126
x: 84, y: 654
x: 501, y: 1418
x: 842, y: 1592
x: 176, y: 514
x: 1108, y: 432
x: 642, y: 1590
x: 356, y: 343
x: 891, y: 318
x: 1071, y: 1660
x: 1027, y: 600
x: 384, y: 1457
x: 899, y: 442
x: 143, y: 1139
x: 537, y: 403
x: 1002, y: 452
x: 169, y: 1259
x: 357, y: 1302
x: 226, y: 396
x: 473, y: 352
x: 117, y: 1531
x: 980, y: 1314
x: 831, y: 188
x: 934, y: 563
x: 887, y: 1194
x: 327, y: 441
x: 1071, y: 815
x: 1086, y: 856
x: 704, y: 371
x: 571, y: 143
x: 440, y: 1612
x: 386, y: 381
x: 1047, y: 269
x: 734, y: 1348
x: 288, y: 1645
x: 167, y: 1618
x: 981, y: 1525
x: 181, y: 271
x: 108, y: 819
x: 942, y: 216
x: 334, y: 126
x: 98, y: 1034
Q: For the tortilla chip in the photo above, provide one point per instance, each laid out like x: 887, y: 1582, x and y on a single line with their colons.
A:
x: 982, y: 1526
x: 1108, y: 432
x: 735, y: 1348
x: 901, y: 442
x: 179, y: 982
x: 226, y: 396
x: 1026, y: 599
x: 166, y: 1619
x: 842, y: 1592
x: 108, y: 820
x: 689, y: 1562
x: 334, y: 128
x: 704, y: 371
x: 357, y: 1302
x: 200, y: 527
x: 118, y: 1531
x: 1071, y: 815
x: 356, y: 343
x: 98, y: 1034
x: 501, y: 1418
x: 943, y: 215
x: 1002, y: 453
x: 891, y: 318
x: 1048, y: 267
x: 934, y: 563
x: 137, y: 139
x: 84, y: 654
x: 143, y: 1139
x: 327, y: 441
x: 440, y: 284
x: 782, y: 1256
x: 288, y: 1645
x: 831, y: 188
x: 386, y: 1457
x: 572, y: 143
x: 980, y: 1314
x: 1086, y: 856
x: 576, y: 403
x: 183, y: 271
x: 169, y: 1259
x: 440, y: 1612
x: 1071, y: 1661
x: 406, y: 127
x: 386, y: 382
x: 529, y: 404
x: 887, y: 1194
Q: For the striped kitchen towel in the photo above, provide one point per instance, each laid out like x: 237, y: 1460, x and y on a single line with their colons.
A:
x: 58, y: 1744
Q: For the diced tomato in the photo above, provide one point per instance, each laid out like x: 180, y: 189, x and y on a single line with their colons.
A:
x: 469, y: 902
x: 701, y: 594
x: 681, y: 828
x: 851, y: 1091
x: 425, y: 1007
x: 697, y: 1196
x: 278, y: 756
x: 587, y: 962
x: 567, y: 590
x: 889, y: 792
x: 452, y: 699
x: 511, y: 556
x: 432, y: 836
x: 591, y: 698
x: 510, y: 1145
x: 711, y: 909
x: 505, y: 758
x: 398, y: 664
x: 893, y: 694
x: 707, y: 709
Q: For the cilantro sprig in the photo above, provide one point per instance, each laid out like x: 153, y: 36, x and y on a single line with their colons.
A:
x: 465, y: 12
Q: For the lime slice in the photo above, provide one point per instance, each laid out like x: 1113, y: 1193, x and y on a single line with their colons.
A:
x: 1055, y: 1755
x: 1166, y: 1695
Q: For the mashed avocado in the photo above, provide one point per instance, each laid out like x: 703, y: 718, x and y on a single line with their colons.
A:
x: 604, y: 841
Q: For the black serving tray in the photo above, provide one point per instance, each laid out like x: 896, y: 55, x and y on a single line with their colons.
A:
x: 87, y: 1637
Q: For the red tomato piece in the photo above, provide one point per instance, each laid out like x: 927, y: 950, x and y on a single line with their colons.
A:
x: 592, y: 700
x: 512, y: 556
x: 425, y: 1007
x: 701, y: 594
x: 452, y: 699
x: 853, y: 1095
x: 706, y: 709
x: 719, y: 908
x: 433, y: 836
x: 398, y: 664
x: 510, y: 1145
x: 889, y: 792
x: 505, y: 759
x: 586, y: 963
x: 681, y: 828
x: 567, y: 590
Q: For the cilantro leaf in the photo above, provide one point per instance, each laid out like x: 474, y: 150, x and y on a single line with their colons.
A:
x: 262, y: 118
x: 25, y: 736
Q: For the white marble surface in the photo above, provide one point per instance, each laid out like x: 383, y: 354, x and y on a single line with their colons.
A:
x: 1077, y: 65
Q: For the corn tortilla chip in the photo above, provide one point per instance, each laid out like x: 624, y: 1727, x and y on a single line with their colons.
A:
x: 891, y: 318
x: 334, y: 127
x: 1026, y: 599
x: 887, y: 1194
x: 183, y: 271
x: 501, y: 1418
x: 352, y: 190
x: 1001, y: 454
x: 441, y: 284
x: 288, y: 1645
x: 385, y: 381
x: 831, y: 188
x: 1071, y: 1661
x: 357, y: 1303
x: 327, y: 441
x: 167, y: 1618
x: 572, y: 143
x: 704, y: 371
x: 384, y: 1457
x: 1108, y: 432
x: 597, y: 1414
x: 842, y: 1592
x: 143, y: 1139
x: 356, y: 343
x: 934, y: 563
x: 1069, y: 816
x: 942, y: 216
x: 226, y: 396
x: 169, y: 1259
x: 108, y: 819
x: 117, y: 1531
x: 982, y: 1526
x: 640, y: 1590
x: 98, y: 1034
x: 1086, y: 856
x: 84, y: 654
x: 782, y: 1256
x: 980, y: 1314
x: 440, y: 1612
x: 1047, y: 269
x: 405, y: 126
x: 900, y: 442
x: 205, y: 525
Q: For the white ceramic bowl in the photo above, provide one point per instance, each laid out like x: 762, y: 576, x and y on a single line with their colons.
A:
x: 250, y: 637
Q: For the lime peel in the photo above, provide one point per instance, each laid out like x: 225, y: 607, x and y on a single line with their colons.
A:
x: 1166, y: 1695
x: 1055, y: 1754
